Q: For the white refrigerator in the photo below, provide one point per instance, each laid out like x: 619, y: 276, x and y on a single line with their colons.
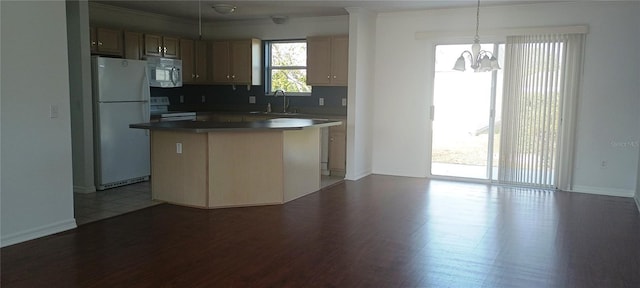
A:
x: 121, y: 97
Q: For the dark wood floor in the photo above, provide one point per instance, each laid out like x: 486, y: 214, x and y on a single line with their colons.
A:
x: 381, y: 231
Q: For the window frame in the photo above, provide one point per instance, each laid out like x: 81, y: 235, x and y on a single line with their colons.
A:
x: 269, y: 68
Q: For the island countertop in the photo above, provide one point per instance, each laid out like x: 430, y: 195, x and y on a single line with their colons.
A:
x: 209, y: 126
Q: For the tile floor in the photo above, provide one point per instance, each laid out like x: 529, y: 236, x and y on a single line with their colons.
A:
x: 90, y: 207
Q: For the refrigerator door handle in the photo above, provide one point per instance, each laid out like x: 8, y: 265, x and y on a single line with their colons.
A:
x: 145, y: 97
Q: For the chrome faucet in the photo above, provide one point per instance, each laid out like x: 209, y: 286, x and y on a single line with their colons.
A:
x: 284, y: 99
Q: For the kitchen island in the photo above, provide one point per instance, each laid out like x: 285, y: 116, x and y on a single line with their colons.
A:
x: 219, y: 164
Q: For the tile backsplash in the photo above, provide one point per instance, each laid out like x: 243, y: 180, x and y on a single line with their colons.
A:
x: 225, y: 98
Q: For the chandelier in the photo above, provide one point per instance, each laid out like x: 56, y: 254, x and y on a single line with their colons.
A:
x: 481, y: 60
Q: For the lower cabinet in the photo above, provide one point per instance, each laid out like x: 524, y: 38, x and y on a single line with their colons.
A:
x: 338, y: 149
x: 337, y: 157
x: 179, y: 177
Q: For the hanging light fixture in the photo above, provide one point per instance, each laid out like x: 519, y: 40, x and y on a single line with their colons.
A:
x: 199, y: 20
x: 481, y: 60
x: 224, y: 8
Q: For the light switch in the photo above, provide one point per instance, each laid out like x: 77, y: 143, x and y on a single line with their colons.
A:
x: 252, y: 99
x: 203, y: 99
x: 53, y: 111
x: 321, y: 102
x: 179, y: 148
x: 344, y: 101
x: 181, y: 98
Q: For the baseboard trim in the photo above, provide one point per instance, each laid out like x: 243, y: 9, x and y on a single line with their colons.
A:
x: 603, y: 191
x: 38, y: 232
x: 637, y: 198
x: 84, y: 189
x: 357, y: 176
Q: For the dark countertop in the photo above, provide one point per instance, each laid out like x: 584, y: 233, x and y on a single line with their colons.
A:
x: 208, y: 126
x: 277, y: 114
x: 325, y: 112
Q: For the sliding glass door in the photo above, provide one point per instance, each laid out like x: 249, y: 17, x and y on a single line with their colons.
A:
x: 466, y: 117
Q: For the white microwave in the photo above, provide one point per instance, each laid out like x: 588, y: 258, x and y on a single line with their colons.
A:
x: 164, y: 72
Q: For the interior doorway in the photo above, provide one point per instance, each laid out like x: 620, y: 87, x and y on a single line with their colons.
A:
x: 466, y: 117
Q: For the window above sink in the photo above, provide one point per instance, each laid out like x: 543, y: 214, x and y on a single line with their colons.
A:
x: 286, y: 67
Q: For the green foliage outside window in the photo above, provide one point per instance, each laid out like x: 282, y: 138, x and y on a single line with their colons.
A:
x: 288, y: 71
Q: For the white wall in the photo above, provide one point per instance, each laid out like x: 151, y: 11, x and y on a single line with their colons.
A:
x: 37, y: 196
x: 139, y: 21
x: 637, y: 197
x: 81, y: 99
x: 638, y: 188
x: 295, y: 28
x: 111, y: 16
x: 607, y: 111
x: 362, y: 30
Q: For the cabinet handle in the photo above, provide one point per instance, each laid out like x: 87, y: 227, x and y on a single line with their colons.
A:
x: 93, y: 43
x: 233, y: 76
x: 165, y: 49
x: 334, y: 77
x: 328, y: 77
x: 197, y: 76
x: 228, y: 77
x: 331, y: 139
x: 159, y: 49
x: 99, y: 43
x: 193, y: 76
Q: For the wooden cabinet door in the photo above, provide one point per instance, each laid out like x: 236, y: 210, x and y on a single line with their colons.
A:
x: 132, y: 45
x: 201, y: 63
x: 337, y: 151
x: 318, y: 60
x: 152, y: 45
x: 220, y: 62
x: 186, y: 54
x: 241, y: 61
x: 109, y: 41
x: 170, y: 47
x: 339, y: 60
x: 94, y: 41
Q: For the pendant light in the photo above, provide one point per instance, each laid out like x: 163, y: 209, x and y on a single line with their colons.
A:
x: 224, y: 8
x: 481, y: 60
x: 199, y: 20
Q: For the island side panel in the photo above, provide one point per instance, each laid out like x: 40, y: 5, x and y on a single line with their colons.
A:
x: 246, y: 168
x: 179, y: 178
x: 301, y: 158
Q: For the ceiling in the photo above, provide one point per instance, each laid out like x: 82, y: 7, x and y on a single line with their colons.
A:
x: 265, y: 9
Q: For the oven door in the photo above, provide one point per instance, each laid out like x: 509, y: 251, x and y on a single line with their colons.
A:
x: 178, y: 118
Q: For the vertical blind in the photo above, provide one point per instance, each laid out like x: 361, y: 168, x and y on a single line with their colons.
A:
x: 540, y: 89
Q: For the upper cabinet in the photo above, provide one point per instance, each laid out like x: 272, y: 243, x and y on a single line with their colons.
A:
x: 327, y: 60
x: 162, y: 46
x: 106, y: 41
x: 236, y: 62
x: 133, y: 43
x: 194, y: 61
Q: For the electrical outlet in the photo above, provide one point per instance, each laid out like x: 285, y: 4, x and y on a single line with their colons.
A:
x: 181, y: 98
x: 344, y: 101
x: 321, y: 102
x: 203, y: 99
x: 53, y: 111
x: 179, y: 148
x: 252, y: 99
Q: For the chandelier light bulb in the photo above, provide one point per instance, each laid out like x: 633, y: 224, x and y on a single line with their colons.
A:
x: 480, y: 60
